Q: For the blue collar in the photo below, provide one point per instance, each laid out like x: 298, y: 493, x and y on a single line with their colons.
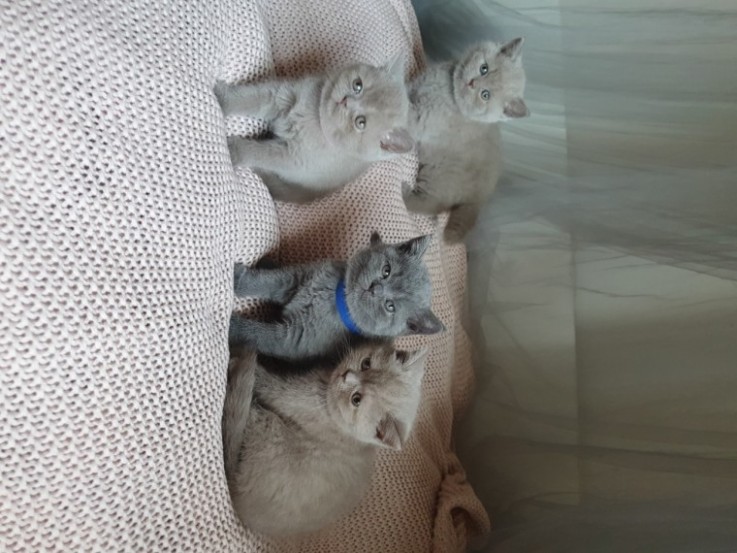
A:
x: 342, y: 306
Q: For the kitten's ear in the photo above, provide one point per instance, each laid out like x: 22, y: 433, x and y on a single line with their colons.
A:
x: 375, y: 238
x: 390, y: 433
x: 397, y: 141
x: 396, y: 67
x: 516, y: 108
x: 415, y: 247
x: 424, y: 322
x: 512, y: 49
x: 412, y: 360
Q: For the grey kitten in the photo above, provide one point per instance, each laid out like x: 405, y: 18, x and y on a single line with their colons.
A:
x: 383, y: 291
x: 299, y: 448
x: 455, y: 108
x: 327, y: 130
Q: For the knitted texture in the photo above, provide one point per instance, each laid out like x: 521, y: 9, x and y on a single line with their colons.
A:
x: 120, y: 220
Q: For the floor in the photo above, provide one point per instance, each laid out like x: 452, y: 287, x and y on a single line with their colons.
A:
x: 603, y: 278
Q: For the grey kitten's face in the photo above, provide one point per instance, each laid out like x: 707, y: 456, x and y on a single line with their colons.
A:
x: 489, y: 82
x: 388, y: 289
x: 374, y: 393
x: 365, y: 109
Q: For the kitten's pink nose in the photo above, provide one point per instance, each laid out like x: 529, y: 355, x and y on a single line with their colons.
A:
x: 470, y: 83
x: 344, y: 101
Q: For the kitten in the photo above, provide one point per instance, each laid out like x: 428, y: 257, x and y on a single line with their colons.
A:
x: 299, y: 448
x: 327, y: 130
x: 383, y: 291
x: 455, y: 106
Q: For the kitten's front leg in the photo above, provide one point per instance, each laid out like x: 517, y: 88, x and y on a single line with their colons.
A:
x: 275, y: 339
x: 270, y: 155
x: 241, y: 378
x: 257, y: 100
x: 277, y: 285
x: 460, y: 222
x: 419, y: 201
x: 245, y: 332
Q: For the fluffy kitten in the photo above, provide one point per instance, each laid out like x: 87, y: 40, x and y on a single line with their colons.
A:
x: 326, y: 130
x: 383, y: 291
x: 455, y: 106
x: 299, y: 447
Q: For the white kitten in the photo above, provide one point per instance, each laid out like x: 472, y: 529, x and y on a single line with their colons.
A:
x: 327, y: 129
x: 455, y: 108
x: 300, y: 446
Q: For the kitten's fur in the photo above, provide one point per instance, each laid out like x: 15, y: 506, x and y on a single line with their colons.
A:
x: 317, y: 145
x: 298, y: 452
x: 458, y: 140
x: 310, y: 324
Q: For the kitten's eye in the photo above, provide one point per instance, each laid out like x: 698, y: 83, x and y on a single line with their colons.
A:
x: 360, y: 122
x: 386, y: 271
x: 357, y: 85
x: 484, y: 68
x: 356, y: 399
x: 485, y: 95
x: 366, y: 364
x: 389, y: 304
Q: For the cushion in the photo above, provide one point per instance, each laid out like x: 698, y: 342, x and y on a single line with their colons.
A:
x: 120, y: 220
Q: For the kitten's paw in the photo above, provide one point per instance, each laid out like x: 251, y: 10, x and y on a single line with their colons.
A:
x: 407, y: 190
x: 240, y: 272
x: 223, y: 94
x: 239, y: 269
x: 418, y: 200
x: 239, y: 149
x: 233, y: 142
x: 237, y: 330
x: 454, y: 235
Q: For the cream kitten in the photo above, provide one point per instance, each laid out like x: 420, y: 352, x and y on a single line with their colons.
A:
x: 325, y: 130
x: 300, y: 445
x: 455, y: 108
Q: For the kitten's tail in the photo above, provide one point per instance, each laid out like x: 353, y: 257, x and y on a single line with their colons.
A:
x: 460, y: 222
x: 241, y: 377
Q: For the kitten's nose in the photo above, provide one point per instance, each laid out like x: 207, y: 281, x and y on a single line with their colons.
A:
x: 376, y: 288
x: 344, y: 101
x: 470, y: 83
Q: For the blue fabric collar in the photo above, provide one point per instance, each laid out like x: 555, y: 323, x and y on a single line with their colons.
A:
x: 342, y: 306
